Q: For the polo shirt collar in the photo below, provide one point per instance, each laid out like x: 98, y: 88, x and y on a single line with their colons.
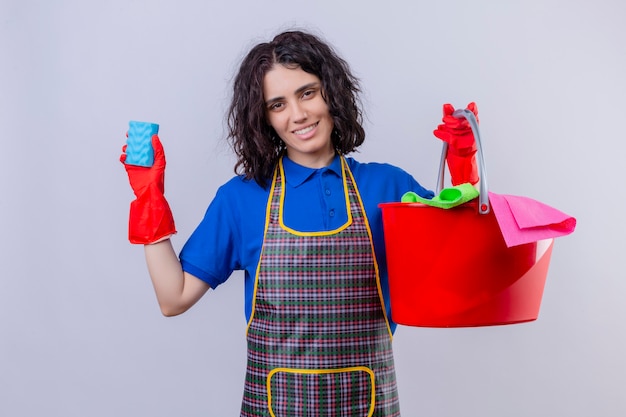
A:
x: 296, y: 174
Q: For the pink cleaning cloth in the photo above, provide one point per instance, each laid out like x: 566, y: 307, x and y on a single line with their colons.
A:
x: 524, y: 220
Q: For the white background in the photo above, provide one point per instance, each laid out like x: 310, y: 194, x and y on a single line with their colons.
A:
x: 80, y: 330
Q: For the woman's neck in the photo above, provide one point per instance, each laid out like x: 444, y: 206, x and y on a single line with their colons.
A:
x: 313, y: 161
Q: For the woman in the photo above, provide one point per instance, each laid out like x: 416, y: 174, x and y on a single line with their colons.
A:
x: 302, y: 220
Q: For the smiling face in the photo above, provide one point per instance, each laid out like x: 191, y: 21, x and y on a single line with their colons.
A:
x: 299, y: 114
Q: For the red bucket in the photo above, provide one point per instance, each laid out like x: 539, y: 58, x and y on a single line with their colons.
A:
x: 452, y: 268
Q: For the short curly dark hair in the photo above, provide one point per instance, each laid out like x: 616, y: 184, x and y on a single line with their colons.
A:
x: 254, y: 141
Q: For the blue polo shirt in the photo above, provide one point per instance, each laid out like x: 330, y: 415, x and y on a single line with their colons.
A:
x: 230, y: 235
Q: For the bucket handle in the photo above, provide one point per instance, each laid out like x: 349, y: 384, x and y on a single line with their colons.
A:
x: 483, y: 198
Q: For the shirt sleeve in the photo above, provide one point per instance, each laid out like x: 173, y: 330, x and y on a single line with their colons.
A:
x: 417, y: 188
x: 210, y: 253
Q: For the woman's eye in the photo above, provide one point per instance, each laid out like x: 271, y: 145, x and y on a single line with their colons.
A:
x: 276, y: 106
x: 308, y: 93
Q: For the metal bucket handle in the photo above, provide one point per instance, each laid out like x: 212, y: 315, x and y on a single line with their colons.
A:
x: 483, y: 198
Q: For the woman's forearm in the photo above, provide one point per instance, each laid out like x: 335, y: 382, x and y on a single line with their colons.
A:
x: 176, y: 290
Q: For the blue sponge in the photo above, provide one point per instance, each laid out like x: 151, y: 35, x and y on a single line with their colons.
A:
x: 139, y: 150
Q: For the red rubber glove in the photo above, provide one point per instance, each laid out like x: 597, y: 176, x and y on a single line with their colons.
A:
x: 150, y: 217
x: 461, y: 156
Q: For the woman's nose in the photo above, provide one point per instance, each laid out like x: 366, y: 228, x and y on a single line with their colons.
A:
x: 298, y: 113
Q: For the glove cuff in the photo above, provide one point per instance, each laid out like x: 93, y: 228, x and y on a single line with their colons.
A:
x: 150, y: 219
x: 463, y: 169
x: 463, y: 152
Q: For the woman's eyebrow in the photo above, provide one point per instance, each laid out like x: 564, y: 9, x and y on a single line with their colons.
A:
x: 306, y: 87
x: 298, y: 91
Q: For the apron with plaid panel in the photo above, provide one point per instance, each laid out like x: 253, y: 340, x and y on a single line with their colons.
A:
x: 318, y: 339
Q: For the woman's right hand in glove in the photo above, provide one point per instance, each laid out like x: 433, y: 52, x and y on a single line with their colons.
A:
x: 150, y: 218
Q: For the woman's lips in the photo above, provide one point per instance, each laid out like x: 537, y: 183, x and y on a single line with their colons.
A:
x: 304, y: 131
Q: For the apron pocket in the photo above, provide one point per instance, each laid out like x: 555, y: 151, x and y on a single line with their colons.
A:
x: 345, y: 392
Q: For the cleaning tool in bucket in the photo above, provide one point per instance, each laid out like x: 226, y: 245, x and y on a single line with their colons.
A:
x: 524, y: 220
x: 468, y: 276
x: 447, y: 198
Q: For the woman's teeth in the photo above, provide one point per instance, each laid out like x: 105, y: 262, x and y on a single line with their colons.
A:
x: 305, y: 130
